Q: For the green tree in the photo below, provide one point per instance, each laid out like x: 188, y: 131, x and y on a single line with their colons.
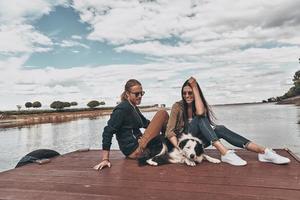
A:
x: 93, y: 104
x: 28, y: 104
x: 296, y: 81
x: 297, y: 76
x: 74, y: 103
x: 36, y: 104
x: 295, y: 90
x: 58, y: 105
x: 66, y: 104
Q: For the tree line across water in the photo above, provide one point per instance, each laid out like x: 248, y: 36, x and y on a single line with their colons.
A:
x: 292, y: 92
x: 60, y: 105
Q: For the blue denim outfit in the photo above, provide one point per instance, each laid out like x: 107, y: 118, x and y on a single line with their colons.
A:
x: 201, y: 128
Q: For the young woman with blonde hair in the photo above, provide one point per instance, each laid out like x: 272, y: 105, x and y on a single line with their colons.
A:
x: 125, y: 122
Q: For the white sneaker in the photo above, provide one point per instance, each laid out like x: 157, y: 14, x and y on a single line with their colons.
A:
x: 273, y: 157
x: 233, y: 159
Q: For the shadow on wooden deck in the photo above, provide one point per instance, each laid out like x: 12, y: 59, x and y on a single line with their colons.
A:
x: 71, y: 177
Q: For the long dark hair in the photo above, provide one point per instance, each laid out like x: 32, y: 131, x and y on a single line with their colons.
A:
x: 130, y: 83
x: 209, y: 112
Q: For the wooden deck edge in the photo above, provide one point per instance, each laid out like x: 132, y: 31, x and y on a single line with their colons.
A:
x: 293, y: 154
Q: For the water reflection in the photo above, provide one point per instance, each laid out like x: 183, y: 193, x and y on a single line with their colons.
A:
x: 271, y: 125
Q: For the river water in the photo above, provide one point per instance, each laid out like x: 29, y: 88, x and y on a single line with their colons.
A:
x: 275, y: 126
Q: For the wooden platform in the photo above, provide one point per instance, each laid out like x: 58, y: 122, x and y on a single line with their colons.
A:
x: 71, y: 177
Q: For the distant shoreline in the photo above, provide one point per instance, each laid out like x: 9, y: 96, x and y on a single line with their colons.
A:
x: 291, y: 100
x: 239, y: 104
x: 12, y: 119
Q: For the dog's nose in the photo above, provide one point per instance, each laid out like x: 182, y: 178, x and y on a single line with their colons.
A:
x: 192, y: 156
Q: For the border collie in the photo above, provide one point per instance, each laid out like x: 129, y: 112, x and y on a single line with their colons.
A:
x: 160, y: 151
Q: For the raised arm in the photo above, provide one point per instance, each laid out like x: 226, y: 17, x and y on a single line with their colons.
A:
x: 200, y: 108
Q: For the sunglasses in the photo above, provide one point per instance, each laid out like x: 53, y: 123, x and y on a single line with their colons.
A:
x: 137, y: 94
x: 187, y: 93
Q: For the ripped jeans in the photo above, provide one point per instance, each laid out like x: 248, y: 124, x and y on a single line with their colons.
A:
x: 201, y: 128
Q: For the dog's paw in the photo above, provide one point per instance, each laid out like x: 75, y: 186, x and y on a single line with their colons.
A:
x: 211, y: 159
x: 189, y: 162
x: 215, y: 160
x: 151, y: 162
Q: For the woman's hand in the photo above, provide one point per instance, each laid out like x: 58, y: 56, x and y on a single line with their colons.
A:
x: 192, y: 81
x: 104, y: 163
x: 174, y: 141
x: 179, y: 150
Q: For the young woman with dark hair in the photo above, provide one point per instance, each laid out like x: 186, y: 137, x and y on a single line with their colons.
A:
x: 125, y: 122
x: 193, y: 114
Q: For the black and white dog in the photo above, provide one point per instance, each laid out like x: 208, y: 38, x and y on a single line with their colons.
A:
x: 160, y: 151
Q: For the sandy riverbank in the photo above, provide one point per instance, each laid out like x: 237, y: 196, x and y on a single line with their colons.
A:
x: 19, y: 120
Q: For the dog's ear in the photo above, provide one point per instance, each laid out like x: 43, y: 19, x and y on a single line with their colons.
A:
x: 199, y: 149
x: 183, y: 143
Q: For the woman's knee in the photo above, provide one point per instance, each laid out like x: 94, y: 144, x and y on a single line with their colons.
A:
x: 199, y: 117
x: 219, y: 127
x: 220, y: 130
x: 198, y: 120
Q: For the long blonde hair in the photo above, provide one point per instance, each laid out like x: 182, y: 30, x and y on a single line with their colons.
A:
x: 130, y: 83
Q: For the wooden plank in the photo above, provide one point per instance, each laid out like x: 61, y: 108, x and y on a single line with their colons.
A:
x: 12, y: 194
x: 149, y: 188
x: 284, y: 183
x: 71, y: 177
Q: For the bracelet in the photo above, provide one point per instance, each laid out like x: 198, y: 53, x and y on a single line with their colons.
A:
x: 105, y: 159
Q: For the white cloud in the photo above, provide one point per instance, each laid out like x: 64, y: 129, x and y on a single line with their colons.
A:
x: 22, y: 39
x: 17, y: 12
x: 240, y: 51
x: 161, y: 81
x: 155, y: 48
x: 76, y: 37
x: 158, y: 19
x: 120, y: 22
x: 72, y: 43
x: 202, y: 27
x: 17, y: 35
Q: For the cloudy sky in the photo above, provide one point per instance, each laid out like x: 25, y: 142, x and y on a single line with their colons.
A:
x: 239, y: 51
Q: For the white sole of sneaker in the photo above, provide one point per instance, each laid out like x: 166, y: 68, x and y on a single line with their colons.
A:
x: 269, y: 161
x: 235, y: 164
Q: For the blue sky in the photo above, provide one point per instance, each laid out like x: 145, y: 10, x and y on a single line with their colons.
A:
x: 63, y: 24
x: 82, y: 50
